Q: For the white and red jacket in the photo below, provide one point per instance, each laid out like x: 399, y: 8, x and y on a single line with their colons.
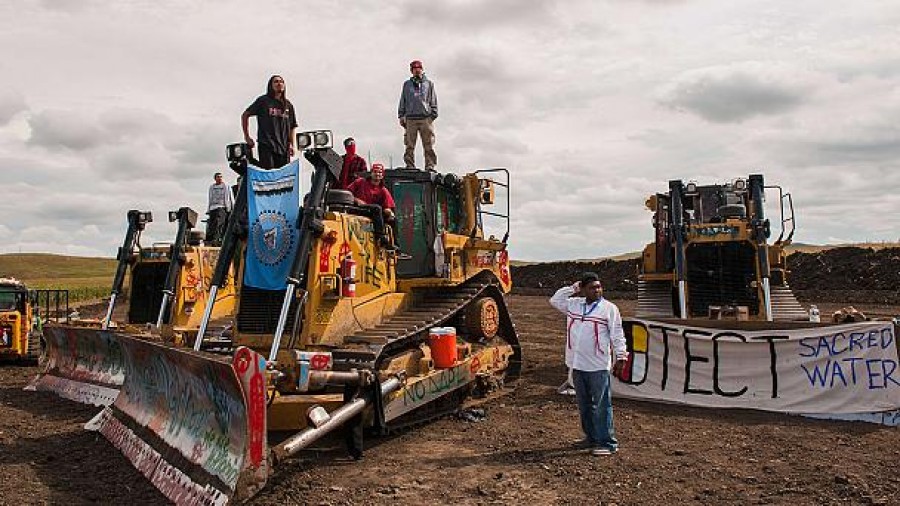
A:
x: 591, y: 330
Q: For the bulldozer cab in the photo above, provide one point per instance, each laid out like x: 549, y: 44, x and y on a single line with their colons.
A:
x: 13, y: 296
x: 22, y: 314
x: 13, y: 313
x: 714, y: 204
x: 436, y: 210
x: 426, y: 207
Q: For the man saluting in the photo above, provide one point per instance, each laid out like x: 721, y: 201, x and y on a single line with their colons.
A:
x: 593, y: 334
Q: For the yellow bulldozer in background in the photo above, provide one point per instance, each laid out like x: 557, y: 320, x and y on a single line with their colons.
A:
x: 711, y: 256
x: 167, y: 285
x: 362, y: 333
x: 22, y: 315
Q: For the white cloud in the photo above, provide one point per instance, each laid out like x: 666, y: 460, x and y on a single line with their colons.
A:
x: 592, y: 105
x: 63, y: 130
x: 11, y: 104
x: 736, y: 92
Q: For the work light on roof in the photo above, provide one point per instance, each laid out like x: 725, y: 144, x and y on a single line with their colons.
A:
x: 323, y: 139
x: 315, y: 139
x: 690, y: 188
x: 304, y: 140
x: 740, y: 185
x: 236, y: 152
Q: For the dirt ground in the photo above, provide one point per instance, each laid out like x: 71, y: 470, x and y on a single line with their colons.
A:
x: 521, y: 453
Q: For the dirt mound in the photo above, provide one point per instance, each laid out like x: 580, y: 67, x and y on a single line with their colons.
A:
x: 619, y: 277
x: 841, y: 274
x: 835, y: 275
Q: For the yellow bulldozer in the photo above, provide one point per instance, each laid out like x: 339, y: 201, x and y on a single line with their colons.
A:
x: 711, y: 256
x: 22, y: 315
x: 169, y: 283
x: 361, y: 331
x: 717, y: 325
x: 167, y: 286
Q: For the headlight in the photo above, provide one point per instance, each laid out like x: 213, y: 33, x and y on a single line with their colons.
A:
x: 316, y: 139
x: 236, y: 152
x: 304, y: 140
x: 740, y: 185
x: 323, y: 139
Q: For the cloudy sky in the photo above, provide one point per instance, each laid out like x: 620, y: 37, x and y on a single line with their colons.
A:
x: 592, y: 105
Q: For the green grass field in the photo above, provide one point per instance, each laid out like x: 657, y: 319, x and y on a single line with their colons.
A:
x: 85, y: 278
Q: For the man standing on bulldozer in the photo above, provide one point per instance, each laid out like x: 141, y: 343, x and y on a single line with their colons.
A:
x: 276, y: 124
x: 220, y: 205
x: 417, y: 111
x: 593, y: 334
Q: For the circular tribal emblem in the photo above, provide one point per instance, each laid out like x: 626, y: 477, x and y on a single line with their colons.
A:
x: 272, y: 237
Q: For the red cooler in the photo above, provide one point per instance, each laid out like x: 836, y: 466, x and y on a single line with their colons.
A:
x: 442, y: 341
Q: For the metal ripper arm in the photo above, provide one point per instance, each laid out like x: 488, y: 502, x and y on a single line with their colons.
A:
x: 676, y: 192
x: 229, y: 245
x: 327, y: 164
x: 137, y: 221
x: 187, y: 220
x: 760, y: 226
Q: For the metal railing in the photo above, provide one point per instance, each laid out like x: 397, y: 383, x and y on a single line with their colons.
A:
x: 785, y: 200
x: 503, y: 184
x: 50, y: 305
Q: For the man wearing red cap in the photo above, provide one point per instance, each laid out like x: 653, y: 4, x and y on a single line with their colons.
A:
x: 372, y: 193
x: 417, y: 111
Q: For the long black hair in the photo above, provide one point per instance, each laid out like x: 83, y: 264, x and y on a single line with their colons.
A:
x: 270, y: 89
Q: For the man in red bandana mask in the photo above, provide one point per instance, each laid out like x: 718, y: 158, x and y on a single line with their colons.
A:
x: 372, y: 193
x: 354, y: 165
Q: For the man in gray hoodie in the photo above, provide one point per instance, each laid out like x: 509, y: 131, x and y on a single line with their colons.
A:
x: 417, y: 111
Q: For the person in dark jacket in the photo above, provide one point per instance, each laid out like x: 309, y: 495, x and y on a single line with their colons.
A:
x: 353, y: 167
x: 276, y: 124
x: 417, y: 111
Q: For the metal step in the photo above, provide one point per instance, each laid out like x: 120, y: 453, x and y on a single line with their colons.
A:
x: 785, y: 305
x: 654, y: 299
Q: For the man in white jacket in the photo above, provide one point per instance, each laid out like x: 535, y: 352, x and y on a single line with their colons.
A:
x: 593, y: 334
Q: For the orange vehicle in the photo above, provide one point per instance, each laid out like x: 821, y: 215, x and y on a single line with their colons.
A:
x: 22, y: 314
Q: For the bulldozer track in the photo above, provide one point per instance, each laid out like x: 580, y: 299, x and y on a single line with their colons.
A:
x: 444, y: 406
x: 408, y: 328
x: 34, y: 348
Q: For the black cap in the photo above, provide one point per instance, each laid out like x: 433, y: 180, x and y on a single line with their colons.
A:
x: 348, y: 141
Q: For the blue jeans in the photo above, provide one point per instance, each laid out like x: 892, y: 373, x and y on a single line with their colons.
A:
x: 595, y: 405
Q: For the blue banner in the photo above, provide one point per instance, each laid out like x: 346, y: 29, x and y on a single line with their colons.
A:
x: 273, y: 203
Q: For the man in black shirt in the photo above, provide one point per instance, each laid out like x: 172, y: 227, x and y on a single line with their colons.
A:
x: 276, y: 125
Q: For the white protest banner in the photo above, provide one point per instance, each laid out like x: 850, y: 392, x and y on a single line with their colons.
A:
x: 827, y: 369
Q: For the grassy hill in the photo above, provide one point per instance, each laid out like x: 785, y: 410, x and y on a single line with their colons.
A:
x: 85, y: 278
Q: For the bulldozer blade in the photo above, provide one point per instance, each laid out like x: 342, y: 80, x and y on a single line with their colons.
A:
x: 194, y: 426
x: 81, y: 364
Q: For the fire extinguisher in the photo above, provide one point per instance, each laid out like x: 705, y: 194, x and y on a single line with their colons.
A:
x: 348, y: 276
